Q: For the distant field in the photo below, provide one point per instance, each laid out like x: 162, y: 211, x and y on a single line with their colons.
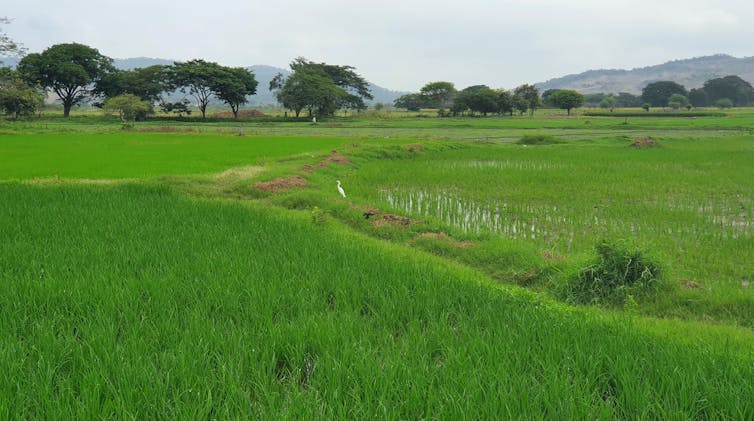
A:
x: 142, y: 155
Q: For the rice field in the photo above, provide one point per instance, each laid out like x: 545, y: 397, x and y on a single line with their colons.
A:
x: 143, y: 275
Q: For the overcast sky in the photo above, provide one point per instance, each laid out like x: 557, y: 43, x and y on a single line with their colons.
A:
x: 399, y: 44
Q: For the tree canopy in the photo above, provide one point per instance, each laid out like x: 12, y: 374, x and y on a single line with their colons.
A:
x: 233, y: 86
x: 567, y: 100
x: 17, y: 98
x: 526, y: 97
x: 658, y: 93
x: 733, y: 88
x: 437, y: 94
x: 411, y: 102
x: 148, y: 83
x: 477, y: 98
x: 69, y: 70
x: 198, y: 78
x: 320, y: 88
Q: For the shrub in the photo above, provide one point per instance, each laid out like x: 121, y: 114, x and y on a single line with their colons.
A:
x: 617, y: 273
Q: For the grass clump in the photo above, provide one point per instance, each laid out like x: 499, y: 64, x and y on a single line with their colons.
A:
x: 538, y: 139
x: 618, y: 274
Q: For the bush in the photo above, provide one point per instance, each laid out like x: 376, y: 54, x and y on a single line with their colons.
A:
x: 616, y: 274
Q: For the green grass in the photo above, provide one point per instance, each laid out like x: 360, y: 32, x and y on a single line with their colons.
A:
x: 143, y: 155
x: 175, y: 293
x: 132, y: 302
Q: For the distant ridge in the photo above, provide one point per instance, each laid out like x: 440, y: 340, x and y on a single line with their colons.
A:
x: 691, y: 73
x: 263, y: 74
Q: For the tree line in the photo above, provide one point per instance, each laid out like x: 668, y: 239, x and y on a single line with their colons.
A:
x: 77, y: 73
x: 724, y: 92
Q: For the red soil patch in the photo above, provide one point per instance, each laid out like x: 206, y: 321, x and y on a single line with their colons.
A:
x: 689, y: 284
x: 334, y: 157
x: 280, y: 184
x: 553, y: 257
x: 643, y: 142
x: 416, y: 147
x: 388, y: 219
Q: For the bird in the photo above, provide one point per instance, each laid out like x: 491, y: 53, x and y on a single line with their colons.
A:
x: 340, y: 190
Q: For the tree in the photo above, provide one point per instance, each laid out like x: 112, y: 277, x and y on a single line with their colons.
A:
x: 626, y: 100
x: 645, y: 106
x: 546, y: 96
x: 233, y: 85
x: 69, y: 70
x: 128, y: 106
x: 567, y: 100
x: 411, y: 102
x: 504, y: 102
x: 18, y: 99
x: 677, y: 101
x: 658, y: 93
x: 320, y: 88
x: 724, y: 103
x: 698, y: 97
x: 310, y: 89
x: 198, y: 77
x: 438, y: 94
x: 526, y: 95
x: 733, y: 88
x: 9, y: 47
x: 344, y: 77
x: 608, y: 103
x: 179, y: 107
x: 148, y: 83
x: 477, y: 98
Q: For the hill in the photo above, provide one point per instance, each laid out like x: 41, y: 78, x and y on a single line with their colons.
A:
x: 691, y: 73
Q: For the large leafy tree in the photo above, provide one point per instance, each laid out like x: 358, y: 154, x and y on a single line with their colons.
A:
x: 526, y: 97
x: 438, y: 94
x: 344, y: 77
x: 504, y: 102
x: 477, y: 99
x: 657, y: 94
x: 198, y: 78
x: 233, y: 86
x: 566, y: 99
x: 148, y: 83
x: 320, y: 88
x: 310, y: 89
x: 17, y: 98
x: 69, y: 70
x: 734, y: 88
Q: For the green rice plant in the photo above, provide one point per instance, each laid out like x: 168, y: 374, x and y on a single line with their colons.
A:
x: 617, y: 275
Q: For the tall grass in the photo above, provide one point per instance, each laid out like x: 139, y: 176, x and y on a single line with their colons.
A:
x: 132, y: 302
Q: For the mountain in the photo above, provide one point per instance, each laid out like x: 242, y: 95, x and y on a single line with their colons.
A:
x: 691, y: 73
x: 263, y: 74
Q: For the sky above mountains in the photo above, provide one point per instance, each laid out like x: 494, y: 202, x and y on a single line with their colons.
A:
x: 399, y: 44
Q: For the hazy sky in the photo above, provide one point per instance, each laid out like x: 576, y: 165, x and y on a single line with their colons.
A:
x: 399, y: 44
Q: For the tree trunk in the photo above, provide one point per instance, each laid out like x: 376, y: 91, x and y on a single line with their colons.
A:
x: 66, y: 110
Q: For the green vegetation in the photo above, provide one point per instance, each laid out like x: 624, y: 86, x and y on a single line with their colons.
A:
x: 479, y: 267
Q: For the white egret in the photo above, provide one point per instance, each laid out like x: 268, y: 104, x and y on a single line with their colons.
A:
x: 340, y: 190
